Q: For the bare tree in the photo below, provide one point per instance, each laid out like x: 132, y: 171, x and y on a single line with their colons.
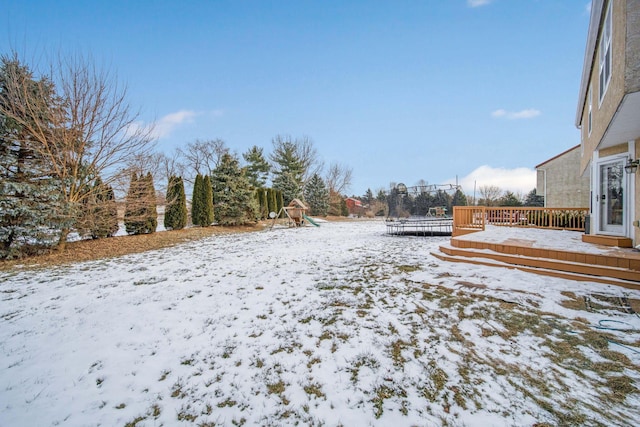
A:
x: 339, y: 178
x: 202, y: 157
x: 308, y: 154
x: 91, y: 133
x: 489, y: 195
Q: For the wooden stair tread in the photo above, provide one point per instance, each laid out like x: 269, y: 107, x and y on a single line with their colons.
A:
x: 542, y: 271
x: 599, y: 239
x: 545, y: 263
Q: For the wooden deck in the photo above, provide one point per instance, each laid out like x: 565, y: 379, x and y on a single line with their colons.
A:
x: 575, y: 260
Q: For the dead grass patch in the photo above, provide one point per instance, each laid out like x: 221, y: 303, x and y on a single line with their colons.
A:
x: 91, y: 250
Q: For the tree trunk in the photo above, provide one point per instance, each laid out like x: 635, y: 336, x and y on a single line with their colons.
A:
x: 62, y: 242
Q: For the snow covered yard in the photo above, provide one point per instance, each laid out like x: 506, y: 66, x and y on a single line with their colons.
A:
x: 336, y: 325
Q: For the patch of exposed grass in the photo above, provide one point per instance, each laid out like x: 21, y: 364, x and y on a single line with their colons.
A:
x: 361, y: 360
x: 276, y: 388
x: 396, y: 353
x: 381, y: 394
x: 227, y: 403
x: 620, y: 387
x: 164, y: 375
x: 408, y: 268
x: 314, y: 389
x: 135, y: 421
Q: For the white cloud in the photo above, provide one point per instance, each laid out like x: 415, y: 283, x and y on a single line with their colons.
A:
x: 518, y: 180
x: 167, y: 124
x: 477, y: 3
x: 515, y: 115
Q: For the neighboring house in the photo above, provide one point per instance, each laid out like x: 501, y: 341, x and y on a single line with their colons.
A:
x: 561, y: 183
x: 608, y: 117
x: 354, y: 206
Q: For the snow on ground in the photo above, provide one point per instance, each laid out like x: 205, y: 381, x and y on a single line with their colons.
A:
x: 332, y: 325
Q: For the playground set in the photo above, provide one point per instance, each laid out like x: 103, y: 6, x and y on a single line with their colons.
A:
x: 295, y: 214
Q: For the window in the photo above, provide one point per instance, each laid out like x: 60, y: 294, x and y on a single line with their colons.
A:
x: 605, y: 53
x: 589, y: 119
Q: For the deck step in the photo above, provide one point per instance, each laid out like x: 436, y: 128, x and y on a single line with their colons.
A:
x: 537, y: 270
x: 585, y: 271
x: 599, y: 239
x: 540, y: 271
x: 612, y: 259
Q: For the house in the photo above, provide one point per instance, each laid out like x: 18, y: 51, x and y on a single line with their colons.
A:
x: 561, y: 182
x: 354, y: 206
x: 608, y: 116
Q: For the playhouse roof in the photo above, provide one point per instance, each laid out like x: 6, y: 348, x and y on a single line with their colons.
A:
x: 297, y: 203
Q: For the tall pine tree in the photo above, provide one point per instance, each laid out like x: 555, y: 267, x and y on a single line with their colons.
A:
x: 133, y: 206
x: 234, y: 199
x: 140, y: 215
x: 31, y: 205
x: 151, y: 211
x: 100, y: 212
x: 316, y: 194
x: 202, y: 213
x: 257, y: 169
x: 175, y: 215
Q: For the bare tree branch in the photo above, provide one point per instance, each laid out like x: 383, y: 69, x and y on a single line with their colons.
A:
x: 339, y: 178
x: 90, y: 132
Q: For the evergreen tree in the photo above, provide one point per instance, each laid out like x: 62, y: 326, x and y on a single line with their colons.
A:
x: 257, y: 169
x: 271, y: 201
x: 279, y: 201
x: 422, y: 203
x: 459, y: 199
x: 344, y: 209
x: 31, y: 203
x: 316, y: 195
x: 292, y: 163
x: 202, y: 204
x: 150, y: 205
x: 108, y: 227
x: 509, y: 199
x: 532, y: 199
x: 207, y: 197
x: 134, y: 207
x: 235, y: 201
x: 140, y: 214
x: 100, y: 212
x: 442, y: 199
x: 368, y: 197
x: 264, y: 203
x: 289, y: 187
x: 197, y: 204
x: 175, y: 215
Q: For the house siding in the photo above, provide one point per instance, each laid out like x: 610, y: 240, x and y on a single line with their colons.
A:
x: 615, y: 132
x: 632, y: 68
x: 565, y: 187
x: 602, y: 112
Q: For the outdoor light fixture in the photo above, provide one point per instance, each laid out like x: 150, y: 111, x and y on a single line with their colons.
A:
x: 631, y: 166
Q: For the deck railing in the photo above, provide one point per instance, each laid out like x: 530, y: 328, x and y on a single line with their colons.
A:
x: 474, y: 218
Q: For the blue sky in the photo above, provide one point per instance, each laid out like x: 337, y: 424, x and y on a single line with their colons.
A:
x: 400, y: 91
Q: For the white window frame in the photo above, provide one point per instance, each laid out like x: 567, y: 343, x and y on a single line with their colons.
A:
x: 590, y: 113
x: 605, y: 54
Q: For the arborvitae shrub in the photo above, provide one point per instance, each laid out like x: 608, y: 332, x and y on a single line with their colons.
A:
x: 175, y: 215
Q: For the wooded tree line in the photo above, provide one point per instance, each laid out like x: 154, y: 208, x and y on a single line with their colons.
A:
x: 70, y: 144
x: 392, y: 203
